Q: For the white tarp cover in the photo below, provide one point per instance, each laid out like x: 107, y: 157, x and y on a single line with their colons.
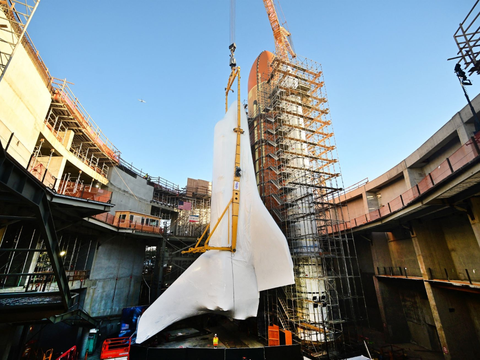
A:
x: 221, y: 281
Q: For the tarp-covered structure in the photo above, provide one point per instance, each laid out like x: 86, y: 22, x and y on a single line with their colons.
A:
x: 227, y: 282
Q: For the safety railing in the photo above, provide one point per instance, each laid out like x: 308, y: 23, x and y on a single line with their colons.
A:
x: 83, y: 191
x: 105, y: 217
x: 40, y: 281
x: 62, y: 92
x: 398, y: 271
x: 115, y: 348
x: 14, y: 146
x: 157, y: 181
x: 126, y: 224
x: 463, y: 156
x: 437, y: 274
x: 70, y: 354
x: 41, y: 173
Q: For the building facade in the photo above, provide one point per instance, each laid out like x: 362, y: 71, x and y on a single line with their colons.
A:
x: 417, y: 233
x: 76, y: 220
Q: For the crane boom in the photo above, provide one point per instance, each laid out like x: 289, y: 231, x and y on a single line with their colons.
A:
x: 280, y: 34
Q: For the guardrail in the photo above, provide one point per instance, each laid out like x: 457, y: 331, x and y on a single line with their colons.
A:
x: 62, y: 92
x: 464, y: 155
x: 82, y: 191
x: 70, y: 354
x: 116, y: 348
x: 438, y: 274
x: 126, y: 224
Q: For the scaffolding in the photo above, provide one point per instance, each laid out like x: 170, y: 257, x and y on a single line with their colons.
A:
x: 297, y: 177
x: 89, y: 144
x: 467, y: 38
x: 193, y: 216
x: 15, y: 16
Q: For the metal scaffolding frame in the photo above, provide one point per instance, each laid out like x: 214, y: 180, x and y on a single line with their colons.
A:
x: 15, y: 16
x: 467, y: 38
x: 298, y: 179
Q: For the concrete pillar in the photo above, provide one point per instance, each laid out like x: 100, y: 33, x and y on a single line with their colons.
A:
x: 395, y: 325
x: 158, y: 270
x: 456, y: 332
x: 465, y: 132
x: 69, y: 139
x: 21, y: 341
x: 455, y: 327
x: 82, y: 339
x: 433, y: 254
x: 431, y: 298
x: 474, y: 217
x: 10, y: 340
x: 438, y: 323
x: 413, y: 176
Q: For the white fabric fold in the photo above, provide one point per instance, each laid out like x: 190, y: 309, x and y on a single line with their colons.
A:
x: 221, y: 281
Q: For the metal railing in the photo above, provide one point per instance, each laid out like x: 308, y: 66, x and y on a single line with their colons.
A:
x: 463, y: 156
x: 126, y: 224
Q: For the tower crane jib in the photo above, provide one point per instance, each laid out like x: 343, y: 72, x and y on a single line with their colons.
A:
x: 283, y: 48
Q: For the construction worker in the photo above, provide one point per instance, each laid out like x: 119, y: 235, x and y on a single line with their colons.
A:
x: 215, y: 341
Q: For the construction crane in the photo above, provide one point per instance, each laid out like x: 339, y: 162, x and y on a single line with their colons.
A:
x: 283, y: 46
x: 234, y: 203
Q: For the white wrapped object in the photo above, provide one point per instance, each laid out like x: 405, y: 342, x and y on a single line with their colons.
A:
x: 221, y: 281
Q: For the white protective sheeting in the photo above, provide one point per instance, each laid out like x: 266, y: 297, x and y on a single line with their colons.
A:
x: 221, y: 281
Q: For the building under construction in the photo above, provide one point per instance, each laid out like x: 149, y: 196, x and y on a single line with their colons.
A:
x: 76, y: 220
x: 84, y: 234
x: 299, y: 181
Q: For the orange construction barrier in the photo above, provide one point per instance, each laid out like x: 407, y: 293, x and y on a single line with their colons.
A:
x: 116, y: 348
x: 273, y: 335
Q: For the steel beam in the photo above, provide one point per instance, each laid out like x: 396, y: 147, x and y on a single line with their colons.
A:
x: 20, y: 183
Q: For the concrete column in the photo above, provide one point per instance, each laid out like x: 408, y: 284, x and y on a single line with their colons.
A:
x: 432, y: 250
x: 69, y: 139
x: 82, y: 340
x: 474, y: 217
x: 158, y: 270
x: 465, y: 132
x: 413, y: 176
x: 395, y: 325
x: 438, y: 323
x: 17, y: 351
x: 9, y: 340
x: 431, y: 299
x: 453, y: 321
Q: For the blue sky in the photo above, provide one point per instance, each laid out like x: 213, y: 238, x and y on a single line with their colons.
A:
x: 389, y: 84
